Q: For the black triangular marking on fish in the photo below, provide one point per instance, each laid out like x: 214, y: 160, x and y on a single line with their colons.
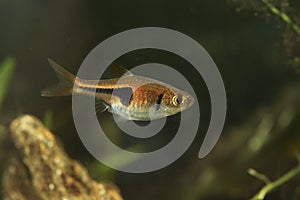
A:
x: 105, y: 90
x: 125, y: 94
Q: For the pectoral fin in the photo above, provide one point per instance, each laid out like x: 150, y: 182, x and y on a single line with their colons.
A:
x: 101, y: 106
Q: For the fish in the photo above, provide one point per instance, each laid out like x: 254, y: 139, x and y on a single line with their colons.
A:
x: 132, y: 97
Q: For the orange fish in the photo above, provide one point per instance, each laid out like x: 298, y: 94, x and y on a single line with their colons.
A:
x: 131, y: 96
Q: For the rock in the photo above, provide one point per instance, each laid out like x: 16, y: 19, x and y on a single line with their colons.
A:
x: 41, y: 169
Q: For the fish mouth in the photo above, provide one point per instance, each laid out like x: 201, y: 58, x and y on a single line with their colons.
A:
x: 189, y: 101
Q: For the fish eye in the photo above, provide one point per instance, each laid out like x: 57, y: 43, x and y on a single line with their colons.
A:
x: 177, y: 100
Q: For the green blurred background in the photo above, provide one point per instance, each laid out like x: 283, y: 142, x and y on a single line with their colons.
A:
x: 250, y: 47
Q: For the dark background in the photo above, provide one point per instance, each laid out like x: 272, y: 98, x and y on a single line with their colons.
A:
x: 246, y: 46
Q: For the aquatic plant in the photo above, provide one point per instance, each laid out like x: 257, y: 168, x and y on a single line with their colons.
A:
x: 287, y: 19
x: 7, y: 68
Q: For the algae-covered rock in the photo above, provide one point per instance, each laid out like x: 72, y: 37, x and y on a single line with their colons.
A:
x: 41, y: 169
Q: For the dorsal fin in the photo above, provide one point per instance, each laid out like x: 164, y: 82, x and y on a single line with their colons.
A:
x: 118, y: 71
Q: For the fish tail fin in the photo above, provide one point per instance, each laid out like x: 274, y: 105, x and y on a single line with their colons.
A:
x: 65, y: 85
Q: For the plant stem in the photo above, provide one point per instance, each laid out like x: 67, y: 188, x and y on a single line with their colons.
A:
x: 282, y: 15
x: 274, y: 184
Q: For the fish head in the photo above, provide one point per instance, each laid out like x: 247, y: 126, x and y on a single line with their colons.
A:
x: 175, y: 101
